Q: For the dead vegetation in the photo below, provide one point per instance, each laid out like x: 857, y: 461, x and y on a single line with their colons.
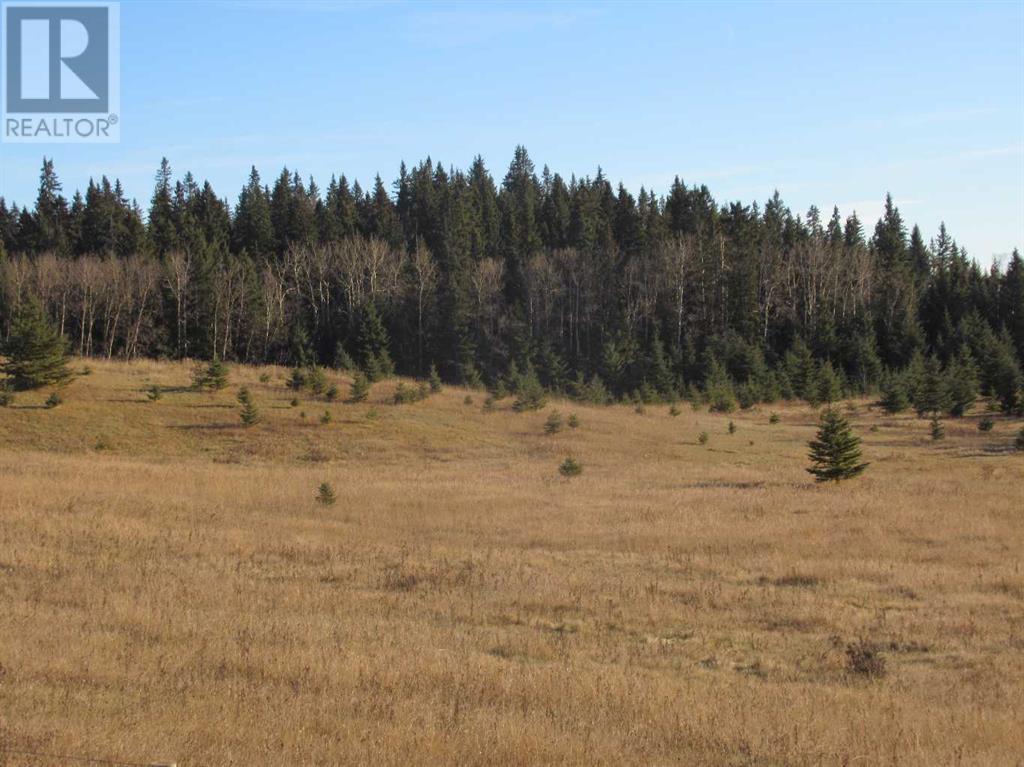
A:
x: 182, y: 593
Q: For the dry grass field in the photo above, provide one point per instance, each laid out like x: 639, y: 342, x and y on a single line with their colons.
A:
x: 170, y: 589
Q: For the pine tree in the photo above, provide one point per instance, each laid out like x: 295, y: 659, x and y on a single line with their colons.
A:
x: 554, y: 423
x: 250, y: 415
x: 835, y: 454
x: 212, y: 376
x: 435, y: 379
x: 325, y: 494
x: 961, y: 384
x: 35, y: 351
x: 931, y: 395
x: 530, y: 394
x: 360, y: 388
x: 894, y: 394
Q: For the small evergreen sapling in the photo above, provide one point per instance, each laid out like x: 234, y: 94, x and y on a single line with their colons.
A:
x: 574, y: 421
x: 296, y: 379
x: 154, y: 393
x: 360, y: 388
x: 673, y: 411
x: 435, y: 380
x: 1019, y: 442
x: 986, y: 423
x: 53, y: 400
x: 6, y: 398
x: 570, y: 467
x: 732, y: 427
x: 938, y: 431
x: 773, y: 418
x: 530, y: 394
x: 703, y: 438
x: 835, y: 454
x: 325, y: 495
x: 554, y: 423
x: 332, y: 393
x: 326, y: 417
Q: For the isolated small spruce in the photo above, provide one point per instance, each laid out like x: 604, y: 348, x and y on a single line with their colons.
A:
x: 773, y: 418
x: 332, y: 393
x: 250, y: 415
x: 35, y: 350
x: 530, y: 395
x: 986, y: 423
x: 316, y: 380
x: 154, y: 393
x: 296, y: 379
x: 835, y: 454
x: 570, y: 467
x: 673, y: 411
x: 212, y: 376
x: 574, y: 421
x: 326, y: 417
x: 435, y: 380
x: 703, y: 438
x: 325, y: 495
x: 6, y: 398
x: 294, y: 402
x: 895, y: 398
x: 53, y: 400
x: 264, y: 377
x: 360, y: 388
x: 1019, y: 442
x: 488, y: 404
x: 938, y: 431
x: 554, y: 423
x: 467, y: 400
x: 423, y: 390
x: 243, y: 396
x: 732, y: 427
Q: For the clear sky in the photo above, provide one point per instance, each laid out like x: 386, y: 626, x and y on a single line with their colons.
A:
x: 829, y: 103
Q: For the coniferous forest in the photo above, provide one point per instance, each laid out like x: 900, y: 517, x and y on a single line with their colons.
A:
x: 575, y: 283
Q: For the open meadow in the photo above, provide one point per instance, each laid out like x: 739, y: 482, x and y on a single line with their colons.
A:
x: 171, y: 588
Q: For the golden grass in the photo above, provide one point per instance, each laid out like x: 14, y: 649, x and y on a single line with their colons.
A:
x: 170, y: 589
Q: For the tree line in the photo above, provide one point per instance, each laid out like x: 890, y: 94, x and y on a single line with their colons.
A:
x: 576, y: 283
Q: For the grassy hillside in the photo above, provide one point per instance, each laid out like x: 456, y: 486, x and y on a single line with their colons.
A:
x: 171, y: 589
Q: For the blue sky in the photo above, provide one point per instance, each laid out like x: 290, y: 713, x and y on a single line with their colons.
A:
x: 829, y: 103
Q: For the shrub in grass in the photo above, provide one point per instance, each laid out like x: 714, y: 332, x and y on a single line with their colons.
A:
x: 405, y: 394
x: 574, y: 421
x: 938, y: 431
x: 703, y: 438
x: 639, y: 408
x: 360, y: 388
x: 294, y: 402
x: 554, y: 423
x: 423, y: 390
x: 302, y: 415
x: 264, y: 378
x: 53, y: 400
x: 570, y: 467
x: 102, y: 443
x: 154, y: 393
x: 773, y: 418
x: 864, y: 659
x: 372, y: 414
x: 6, y: 398
x: 986, y: 423
x: 326, y: 417
x: 489, y: 404
x: 467, y: 400
x: 325, y: 495
x: 332, y: 393
x: 732, y: 427
x: 1019, y: 442
x: 674, y: 411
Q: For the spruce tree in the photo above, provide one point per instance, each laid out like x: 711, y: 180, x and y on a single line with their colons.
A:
x: 961, y: 384
x: 895, y: 398
x: 530, y: 394
x: 1019, y: 442
x: 835, y: 454
x: 931, y: 394
x: 250, y: 415
x: 360, y: 388
x: 830, y: 385
x: 435, y: 379
x: 35, y: 351
x: 938, y: 431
